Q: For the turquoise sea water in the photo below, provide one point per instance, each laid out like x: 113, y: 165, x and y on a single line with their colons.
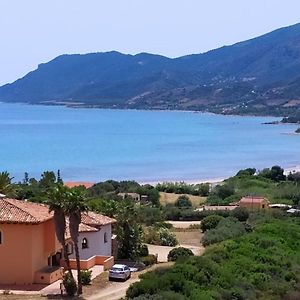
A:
x: 94, y: 144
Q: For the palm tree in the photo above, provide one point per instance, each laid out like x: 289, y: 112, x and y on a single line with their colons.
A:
x: 6, y: 187
x: 57, y: 197
x: 74, y: 207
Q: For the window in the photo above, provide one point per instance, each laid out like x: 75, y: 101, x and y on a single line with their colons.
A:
x: 0, y: 237
x: 85, y: 243
x: 105, y: 237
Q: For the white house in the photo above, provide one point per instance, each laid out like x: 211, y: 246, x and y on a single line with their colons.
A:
x: 95, y: 240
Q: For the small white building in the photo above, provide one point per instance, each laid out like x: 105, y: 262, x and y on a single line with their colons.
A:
x: 94, y: 241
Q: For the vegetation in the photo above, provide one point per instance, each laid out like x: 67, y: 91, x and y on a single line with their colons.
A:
x: 263, y: 264
x: 183, y: 202
x: 69, y: 284
x: 86, y: 277
x: 160, y: 236
x: 297, y: 130
x: 210, y: 222
x: 225, y: 229
x: 201, y: 189
x: 178, y: 253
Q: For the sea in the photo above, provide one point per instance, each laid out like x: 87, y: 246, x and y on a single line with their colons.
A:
x: 147, y: 146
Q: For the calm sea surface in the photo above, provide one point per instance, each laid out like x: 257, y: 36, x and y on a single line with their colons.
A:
x: 94, y: 144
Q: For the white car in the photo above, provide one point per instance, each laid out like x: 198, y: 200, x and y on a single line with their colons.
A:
x: 119, y: 271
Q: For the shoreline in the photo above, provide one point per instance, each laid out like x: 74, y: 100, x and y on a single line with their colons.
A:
x: 213, y: 181
x: 91, y: 106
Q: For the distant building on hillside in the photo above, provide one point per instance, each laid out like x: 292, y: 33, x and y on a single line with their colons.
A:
x: 135, y: 196
x: 217, y: 207
x: 252, y: 202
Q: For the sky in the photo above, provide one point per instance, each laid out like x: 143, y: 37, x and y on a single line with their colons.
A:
x: 36, y: 31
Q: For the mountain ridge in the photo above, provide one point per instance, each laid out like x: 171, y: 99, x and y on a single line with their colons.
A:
x: 257, y: 76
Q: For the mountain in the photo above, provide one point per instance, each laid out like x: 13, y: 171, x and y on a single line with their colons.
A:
x: 257, y: 76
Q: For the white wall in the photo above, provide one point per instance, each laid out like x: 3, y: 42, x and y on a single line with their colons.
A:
x: 96, y: 245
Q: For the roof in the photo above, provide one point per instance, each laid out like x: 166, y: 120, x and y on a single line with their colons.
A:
x: 82, y: 228
x: 25, y: 212
x: 253, y: 200
x: 20, y: 211
x: 94, y: 219
x: 224, y: 207
x: 71, y: 184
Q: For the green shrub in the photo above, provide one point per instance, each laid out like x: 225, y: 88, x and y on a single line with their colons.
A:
x: 226, y: 229
x: 69, y: 284
x: 86, y: 277
x: 241, y: 213
x: 183, y: 202
x: 167, y: 238
x: 144, y: 250
x: 176, y: 253
x: 149, y: 260
x: 210, y: 222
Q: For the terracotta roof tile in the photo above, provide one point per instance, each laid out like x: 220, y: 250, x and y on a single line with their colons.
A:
x: 94, y: 219
x: 82, y: 228
x: 19, y: 211
x: 71, y: 184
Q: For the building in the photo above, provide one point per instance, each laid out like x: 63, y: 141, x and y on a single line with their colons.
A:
x: 30, y: 252
x: 254, y: 202
x: 218, y: 207
x: 135, y: 196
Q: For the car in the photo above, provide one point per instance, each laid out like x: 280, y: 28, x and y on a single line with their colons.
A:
x: 119, y: 271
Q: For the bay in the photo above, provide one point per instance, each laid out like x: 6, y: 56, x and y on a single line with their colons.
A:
x: 147, y: 146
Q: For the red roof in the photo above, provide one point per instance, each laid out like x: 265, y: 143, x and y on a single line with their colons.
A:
x: 18, y: 211
x: 71, y: 184
x: 253, y: 200
x: 92, y: 218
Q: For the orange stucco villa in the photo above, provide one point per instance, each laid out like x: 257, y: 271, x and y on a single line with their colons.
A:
x: 30, y: 252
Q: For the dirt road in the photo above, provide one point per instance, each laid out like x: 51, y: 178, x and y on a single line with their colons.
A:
x: 116, y: 290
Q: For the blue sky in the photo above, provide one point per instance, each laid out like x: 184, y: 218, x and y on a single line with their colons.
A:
x: 35, y: 31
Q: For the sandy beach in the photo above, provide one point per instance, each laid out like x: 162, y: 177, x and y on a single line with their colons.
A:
x: 213, y: 181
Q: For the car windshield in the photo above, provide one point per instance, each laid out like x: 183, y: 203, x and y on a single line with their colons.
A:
x: 117, y: 269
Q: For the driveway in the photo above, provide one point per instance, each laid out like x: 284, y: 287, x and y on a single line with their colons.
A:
x: 117, y: 290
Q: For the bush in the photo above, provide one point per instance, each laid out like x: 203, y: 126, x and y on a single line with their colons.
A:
x: 226, y: 229
x: 162, y: 236
x: 241, y: 213
x: 144, y: 250
x: 183, y: 202
x: 167, y: 238
x: 176, y: 253
x: 69, y: 284
x: 210, y: 222
x: 149, y: 260
x: 86, y: 277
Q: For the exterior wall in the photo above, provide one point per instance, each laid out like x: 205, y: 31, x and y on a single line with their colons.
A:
x: 23, y: 252
x: 96, y: 245
x: 106, y: 261
x: 15, y: 254
x: 257, y: 205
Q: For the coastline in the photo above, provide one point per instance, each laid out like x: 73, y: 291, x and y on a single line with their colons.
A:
x: 213, y: 181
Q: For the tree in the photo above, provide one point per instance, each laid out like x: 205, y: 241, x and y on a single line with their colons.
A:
x: 241, y: 213
x: 183, y: 202
x: 6, y: 186
x: 48, y: 179
x: 276, y: 173
x: 210, y: 222
x: 129, y: 231
x: 75, y: 205
x: 57, y: 197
